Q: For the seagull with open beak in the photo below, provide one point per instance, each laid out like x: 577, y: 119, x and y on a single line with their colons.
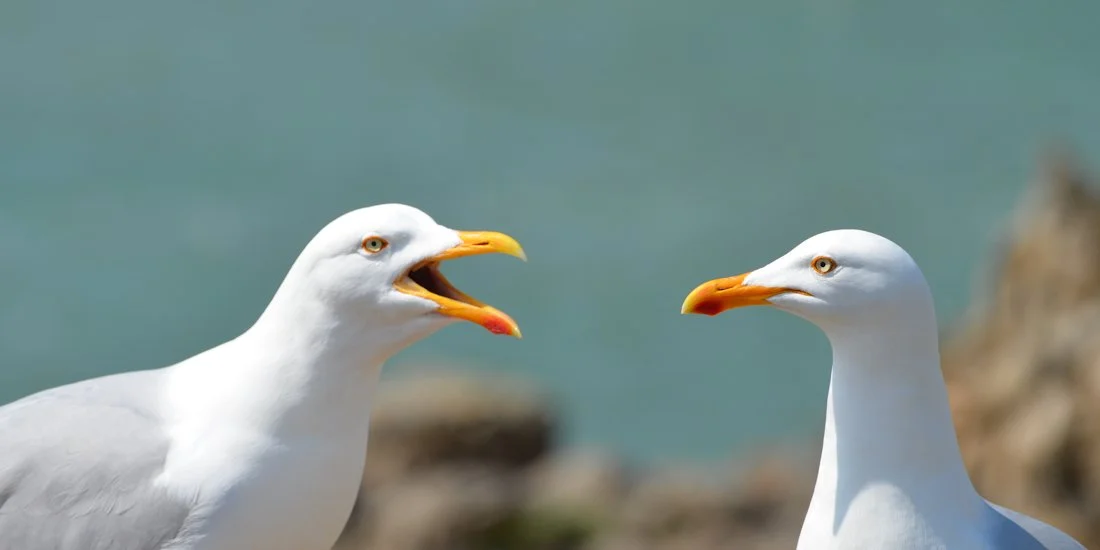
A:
x: 259, y: 442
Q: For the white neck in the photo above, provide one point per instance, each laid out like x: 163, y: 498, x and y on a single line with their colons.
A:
x: 890, y: 454
x: 275, y: 422
x: 316, y: 370
x: 305, y: 371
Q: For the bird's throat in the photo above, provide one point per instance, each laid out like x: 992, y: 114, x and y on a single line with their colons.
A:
x: 889, y: 446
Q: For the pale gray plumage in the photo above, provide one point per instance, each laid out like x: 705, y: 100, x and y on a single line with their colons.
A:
x: 77, y: 465
x: 1015, y: 531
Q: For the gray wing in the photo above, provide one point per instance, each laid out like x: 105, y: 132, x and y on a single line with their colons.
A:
x: 77, y: 464
x: 1015, y: 531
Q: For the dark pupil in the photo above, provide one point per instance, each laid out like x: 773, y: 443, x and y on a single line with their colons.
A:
x: 822, y: 264
x: 375, y: 244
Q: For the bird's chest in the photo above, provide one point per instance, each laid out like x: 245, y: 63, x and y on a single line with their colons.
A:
x: 285, y: 497
x: 884, y: 517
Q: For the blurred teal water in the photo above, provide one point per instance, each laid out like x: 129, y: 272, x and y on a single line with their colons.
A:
x: 161, y: 164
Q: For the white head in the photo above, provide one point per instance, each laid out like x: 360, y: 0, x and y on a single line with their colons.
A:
x: 838, y: 278
x: 380, y: 265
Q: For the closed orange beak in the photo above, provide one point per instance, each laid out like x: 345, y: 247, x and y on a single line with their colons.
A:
x: 714, y: 297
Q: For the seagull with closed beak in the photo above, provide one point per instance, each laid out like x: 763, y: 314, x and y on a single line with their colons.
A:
x: 258, y: 443
x: 891, y: 475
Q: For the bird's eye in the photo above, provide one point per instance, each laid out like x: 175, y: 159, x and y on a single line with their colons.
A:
x: 823, y: 264
x: 373, y: 245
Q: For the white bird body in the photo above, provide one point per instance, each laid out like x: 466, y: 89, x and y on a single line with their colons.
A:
x: 890, y: 474
x: 257, y: 443
x: 300, y: 453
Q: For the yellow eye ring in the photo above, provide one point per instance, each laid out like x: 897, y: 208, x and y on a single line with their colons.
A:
x: 823, y: 264
x: 373, y: 245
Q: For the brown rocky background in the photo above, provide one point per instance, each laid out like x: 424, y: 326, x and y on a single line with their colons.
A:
x: 1023, y: 367
x: 463, y: 462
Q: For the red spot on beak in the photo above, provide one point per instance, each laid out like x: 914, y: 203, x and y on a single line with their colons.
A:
x: 496, y: 325
x: 708, y: 308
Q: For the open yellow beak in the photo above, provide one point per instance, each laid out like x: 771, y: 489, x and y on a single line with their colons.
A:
x: 714, y: 297
x: 425, y: 281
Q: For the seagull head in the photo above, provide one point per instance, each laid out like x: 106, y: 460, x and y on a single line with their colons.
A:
x: 839, y: 277
x: 382, y: 263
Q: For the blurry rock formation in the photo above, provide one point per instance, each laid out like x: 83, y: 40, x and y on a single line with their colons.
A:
x: 1023, y: 369
x: 464, y: 462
